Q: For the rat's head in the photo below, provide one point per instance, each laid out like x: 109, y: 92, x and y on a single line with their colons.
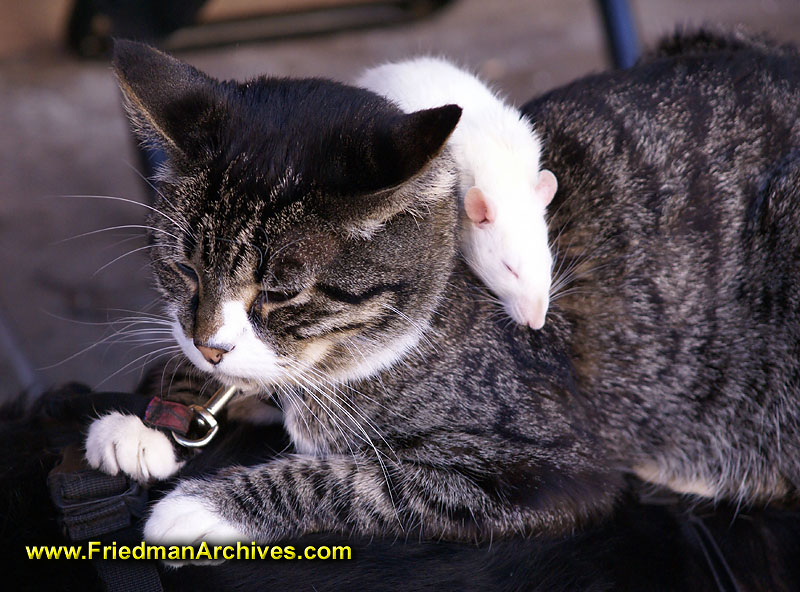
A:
x: 508, y: 246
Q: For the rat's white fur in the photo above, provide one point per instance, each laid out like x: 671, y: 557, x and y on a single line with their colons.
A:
x: 497, y: 151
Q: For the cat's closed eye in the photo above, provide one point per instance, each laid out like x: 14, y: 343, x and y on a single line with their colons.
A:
x: 281, y: 296
x: 187, y: 272
x: 272, y: 296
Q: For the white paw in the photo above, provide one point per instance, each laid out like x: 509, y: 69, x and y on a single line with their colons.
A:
x: 181, y: 518
x: 118, y: 442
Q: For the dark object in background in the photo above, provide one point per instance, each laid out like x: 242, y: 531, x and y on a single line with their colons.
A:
x: 93, y: 23
x: 172, y: 24
x: 650, y: 543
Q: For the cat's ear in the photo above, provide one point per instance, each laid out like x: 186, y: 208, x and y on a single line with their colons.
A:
x: 399, y: 147
x: 170, y: 103
x: 406, y: 143
x: 479, y: 208
x: 546, y: 187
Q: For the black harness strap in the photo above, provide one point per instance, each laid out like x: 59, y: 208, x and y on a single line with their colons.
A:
x: 128, y: 576
x: 92, y: 505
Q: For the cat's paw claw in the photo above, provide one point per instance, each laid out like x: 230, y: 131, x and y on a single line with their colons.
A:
x: 118, y: 442
x: 182, y: 518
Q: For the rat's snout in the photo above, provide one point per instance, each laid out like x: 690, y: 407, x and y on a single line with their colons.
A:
x: 536, y: 311
x: 537, y: 321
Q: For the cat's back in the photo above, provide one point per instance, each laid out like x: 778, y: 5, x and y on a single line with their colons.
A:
x: 675, y: 159
x: 690, y: 102
x: 685, y: 268
x: 678, y: 146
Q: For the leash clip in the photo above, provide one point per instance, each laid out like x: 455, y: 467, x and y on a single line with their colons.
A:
x: 205, y: 416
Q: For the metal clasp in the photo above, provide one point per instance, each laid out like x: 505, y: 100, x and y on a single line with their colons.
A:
x: 205, y: 416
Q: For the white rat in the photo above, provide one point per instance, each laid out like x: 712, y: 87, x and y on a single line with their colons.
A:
x: 504, y: 231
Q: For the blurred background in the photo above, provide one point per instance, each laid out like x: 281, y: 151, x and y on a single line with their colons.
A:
x: 66, y: 284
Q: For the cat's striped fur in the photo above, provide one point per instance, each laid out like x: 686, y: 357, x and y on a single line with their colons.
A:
x: 413, y: 406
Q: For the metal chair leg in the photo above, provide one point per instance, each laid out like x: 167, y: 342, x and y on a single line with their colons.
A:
x: 621, y: 36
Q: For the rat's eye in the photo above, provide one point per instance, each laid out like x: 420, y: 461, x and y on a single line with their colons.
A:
x: 509, y: 268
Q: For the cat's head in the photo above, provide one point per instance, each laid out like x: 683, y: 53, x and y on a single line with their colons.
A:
x: 303, y: 226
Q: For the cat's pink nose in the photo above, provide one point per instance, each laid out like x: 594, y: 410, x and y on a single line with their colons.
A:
x: 213, y: 355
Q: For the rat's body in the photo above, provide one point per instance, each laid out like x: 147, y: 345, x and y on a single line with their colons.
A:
x: 504, y: 231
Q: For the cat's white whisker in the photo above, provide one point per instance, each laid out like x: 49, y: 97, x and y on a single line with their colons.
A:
x: 118, y: 227
x: 284, y: 247
x: 287, y: 396
x: 337, y: 422
x: 320, y: 423
x: 422, y: 331
x: 177, y: 356
x: 110, y: 323
x: 142, y: 313
x: 131, y: 252
x: 352, y: 343
x: 367, y: 440
x: 306, y: 381
x: 149, y: 183
x: 293, y: 399
x: 338, y: 385
x: 179, y: 226
x: 104, y: 341
x: 134, y: 236
x: 151, y: 355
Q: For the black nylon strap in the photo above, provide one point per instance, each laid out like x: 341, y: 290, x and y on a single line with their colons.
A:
x: 128, y: 576
x: 97, y: 506
x: 92, y: 503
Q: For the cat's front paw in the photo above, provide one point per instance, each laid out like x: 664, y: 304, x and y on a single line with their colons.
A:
x: 183, y: 517
x: 118, y: 442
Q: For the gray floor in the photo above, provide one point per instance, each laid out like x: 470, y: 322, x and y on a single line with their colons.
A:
x: 63, y: 134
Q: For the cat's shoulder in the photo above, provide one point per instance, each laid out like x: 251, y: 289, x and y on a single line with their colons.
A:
x: 734, y: 62
x: 710, y: 40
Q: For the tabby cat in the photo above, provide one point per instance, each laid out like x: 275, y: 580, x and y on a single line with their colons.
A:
x: 306, y: 248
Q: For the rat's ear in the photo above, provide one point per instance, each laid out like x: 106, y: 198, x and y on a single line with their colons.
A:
x: 479, y: 208
x: 546, y: 187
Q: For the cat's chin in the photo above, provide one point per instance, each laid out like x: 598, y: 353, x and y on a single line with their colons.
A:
x: 247, y: 387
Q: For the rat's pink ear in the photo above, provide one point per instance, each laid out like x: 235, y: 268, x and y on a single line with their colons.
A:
x: 478, y: 207
x: 546, y: 187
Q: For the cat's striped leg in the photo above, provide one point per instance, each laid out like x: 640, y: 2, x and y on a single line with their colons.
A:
x: 297, y: 495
